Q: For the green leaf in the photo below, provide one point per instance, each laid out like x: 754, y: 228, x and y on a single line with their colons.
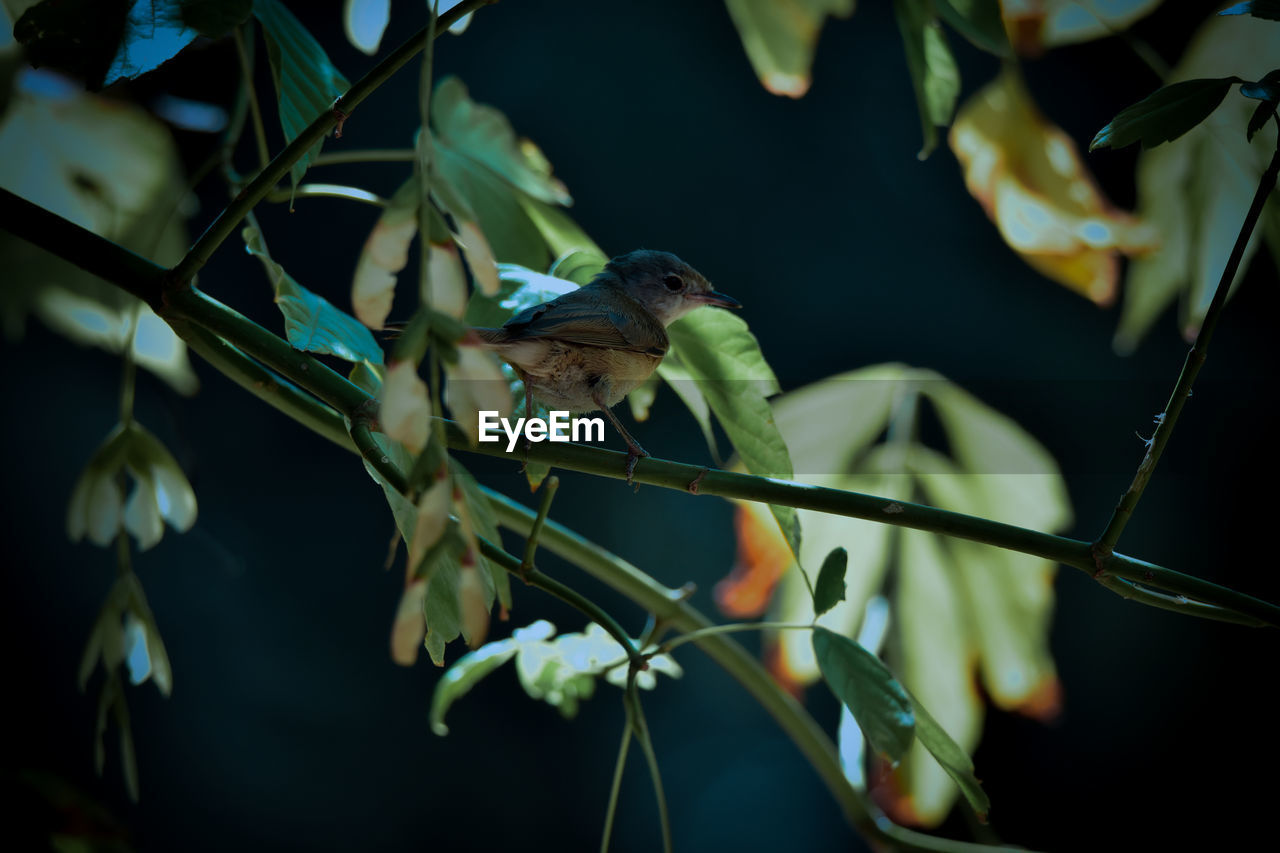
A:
x: 933, y: 69
x: 954, y: 760
x: 830, y: 589
x: 579, y: 266
x: 1195, y: 191
x: 484, y: 136
x: 466, y: 672
x: 1017, y: 476
x: 780, y: 37
x: 561, y: 233
x: 1268, y: 9
x: 311, y: 322
x: 307, y: 83
x: 677, y: 376
x: 154, y: 32
x: 724, y: 359
x: 979, y: 21
x: 870, y: 692
x: 1165, y: 114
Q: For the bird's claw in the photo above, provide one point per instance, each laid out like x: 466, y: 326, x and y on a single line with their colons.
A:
x: 634, y: 452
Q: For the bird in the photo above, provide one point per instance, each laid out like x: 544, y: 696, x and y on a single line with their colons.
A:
x: 587, y: 349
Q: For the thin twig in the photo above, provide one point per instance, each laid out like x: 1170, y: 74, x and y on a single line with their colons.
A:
x: 265, y: 181
x: 616, y: 787
x: 1103, y: 548
x: 246, y: 71
x: 531, y: 545
x: 635, y: 715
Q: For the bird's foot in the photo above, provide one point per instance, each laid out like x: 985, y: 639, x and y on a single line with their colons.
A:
x: 634, y: 452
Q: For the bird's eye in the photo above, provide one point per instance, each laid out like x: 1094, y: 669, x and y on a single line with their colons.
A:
x: 674, y: 283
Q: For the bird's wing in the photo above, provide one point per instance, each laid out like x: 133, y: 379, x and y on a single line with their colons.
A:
x: 577, y: 317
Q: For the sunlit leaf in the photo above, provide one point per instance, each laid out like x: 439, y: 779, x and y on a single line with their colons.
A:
x: 828, y: 590
x: 870, y: 692
x: 469, y: 670
x: 724, y: 358
x: 311, y: 322
x: 365, y: 21
x: 1030, y: 180
x: 1196, y: 190
x: 933, y: 69
x: 1037, y: 24
x: 307, y: 83
x: 1164, y: 115
x: 780, y: 37
x: 937, y: 656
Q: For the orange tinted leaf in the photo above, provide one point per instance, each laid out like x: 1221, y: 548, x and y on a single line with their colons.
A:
x: 763, y: 555
x: 1029, y: 178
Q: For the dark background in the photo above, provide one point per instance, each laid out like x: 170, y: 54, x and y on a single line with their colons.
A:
x: 289, y: 727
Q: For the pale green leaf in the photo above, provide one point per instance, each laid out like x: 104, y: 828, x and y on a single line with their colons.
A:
x: 1196, y: 190
x: 936, y: 651
x: 312, y: 323
x: 483, y: 135
x: 780, y: 37
x: 724, y: 359
x: 933, y: 69
x: 466, y: 672
x: 307, y: 83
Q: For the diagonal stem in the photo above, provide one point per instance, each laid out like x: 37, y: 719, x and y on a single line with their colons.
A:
x: 265, y: 181
x: 1106, y: 543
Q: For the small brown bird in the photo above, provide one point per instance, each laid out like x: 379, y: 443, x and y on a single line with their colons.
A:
x: 587, y: 349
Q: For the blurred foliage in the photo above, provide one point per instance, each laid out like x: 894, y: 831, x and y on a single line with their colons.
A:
x: 1194, y: 190
x: 559, y: 670
x: 958, y: 607
x: 1029, y: 178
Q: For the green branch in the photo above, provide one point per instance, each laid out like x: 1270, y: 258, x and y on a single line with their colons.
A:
x: 1190, y: 370
x: 191, y: 307
x: 265, y: 181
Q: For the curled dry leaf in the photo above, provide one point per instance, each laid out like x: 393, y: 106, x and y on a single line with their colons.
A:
x: 385, y: 254
x: 406, y: 411
x: 1029, y: 178
x: 474, y: 608
x: 430, y: 520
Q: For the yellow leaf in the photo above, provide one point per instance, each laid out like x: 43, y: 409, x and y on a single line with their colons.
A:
x: 410, y: 626
x: 1034, y: 25
x: 385, y: 254
x: 1029, y: 178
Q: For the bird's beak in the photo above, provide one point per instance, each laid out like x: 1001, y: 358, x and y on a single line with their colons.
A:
x: 715, y: 297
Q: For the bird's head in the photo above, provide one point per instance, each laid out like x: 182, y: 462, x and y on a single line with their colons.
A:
x: 665, y: 285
